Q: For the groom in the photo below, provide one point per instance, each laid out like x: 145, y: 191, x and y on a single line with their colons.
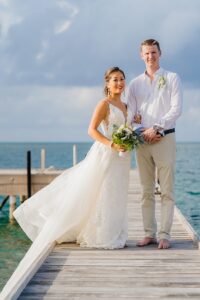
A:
x: 156, y: 97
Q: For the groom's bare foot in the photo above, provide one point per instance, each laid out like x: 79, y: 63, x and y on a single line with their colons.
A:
x: 164, y: 244
x: 147, y: 241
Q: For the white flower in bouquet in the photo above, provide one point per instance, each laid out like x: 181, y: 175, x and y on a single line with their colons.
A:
x: 127, y: 137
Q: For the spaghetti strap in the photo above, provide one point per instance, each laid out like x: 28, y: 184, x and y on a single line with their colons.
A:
x: 112, y: 105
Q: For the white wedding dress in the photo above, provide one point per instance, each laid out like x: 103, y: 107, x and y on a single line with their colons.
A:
x: 86, y: 204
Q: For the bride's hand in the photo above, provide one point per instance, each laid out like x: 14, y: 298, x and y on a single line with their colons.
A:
x: 118, y: 148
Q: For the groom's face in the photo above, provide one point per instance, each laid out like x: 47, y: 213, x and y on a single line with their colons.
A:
x: 150, y: 55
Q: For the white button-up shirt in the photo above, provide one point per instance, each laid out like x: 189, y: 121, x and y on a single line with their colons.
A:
x: 159, y: 101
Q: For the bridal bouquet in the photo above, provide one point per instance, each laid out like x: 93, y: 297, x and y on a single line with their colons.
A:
x: 127, y: 137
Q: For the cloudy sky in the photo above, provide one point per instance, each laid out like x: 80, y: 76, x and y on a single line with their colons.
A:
x: 53, y: 54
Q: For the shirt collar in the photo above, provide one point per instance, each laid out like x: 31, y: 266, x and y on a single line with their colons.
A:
x: 159, y: 72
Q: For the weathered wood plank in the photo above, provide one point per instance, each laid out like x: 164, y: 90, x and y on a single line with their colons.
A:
x: 14, y: 182
x: 117, y: 292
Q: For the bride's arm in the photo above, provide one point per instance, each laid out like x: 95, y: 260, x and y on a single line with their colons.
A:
x: 98, y: 116
x: 100, y: 113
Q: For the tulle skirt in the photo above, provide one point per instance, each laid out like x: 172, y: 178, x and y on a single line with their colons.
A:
x: 86, y: 204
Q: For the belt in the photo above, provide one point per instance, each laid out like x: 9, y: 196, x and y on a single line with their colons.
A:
x: 168, y: 131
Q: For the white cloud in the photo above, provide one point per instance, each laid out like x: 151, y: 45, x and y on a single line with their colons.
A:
x: 179, y: 30
x: 68, y: 7
x: 62, y: 26
x: 40, y: 56
x: 4, y: 2
x: 47, y: 113
x: 7, y: 20
x: 71, y: 11
x: 193, y: 115
x: 188, y: 126
x: 44, y: 47
x: 54, y: 53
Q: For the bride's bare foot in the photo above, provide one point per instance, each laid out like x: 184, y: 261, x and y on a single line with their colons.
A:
x: 164, y: 244
x: 147, y: 241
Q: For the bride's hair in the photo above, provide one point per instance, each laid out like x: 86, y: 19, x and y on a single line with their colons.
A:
x: 107, y: 77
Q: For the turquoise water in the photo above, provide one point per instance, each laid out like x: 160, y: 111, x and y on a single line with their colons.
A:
x: 187, y: 186
x: 14, y: 243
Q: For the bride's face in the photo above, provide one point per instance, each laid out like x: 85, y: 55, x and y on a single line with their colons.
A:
x: 116, y: 84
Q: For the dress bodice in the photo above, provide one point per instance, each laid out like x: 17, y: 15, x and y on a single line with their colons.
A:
x: 116, y: 117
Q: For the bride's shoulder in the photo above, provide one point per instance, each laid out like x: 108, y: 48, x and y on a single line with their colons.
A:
x: 103, y: 104
x: 102, y: 107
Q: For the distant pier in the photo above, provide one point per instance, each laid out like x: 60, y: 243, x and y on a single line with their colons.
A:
x: 13, y: 183
x: 26, y: 182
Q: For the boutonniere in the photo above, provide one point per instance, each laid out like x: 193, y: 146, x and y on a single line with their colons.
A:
x: 161, y: 82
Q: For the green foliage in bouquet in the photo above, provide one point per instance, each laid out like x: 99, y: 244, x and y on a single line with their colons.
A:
x: 126, y: 136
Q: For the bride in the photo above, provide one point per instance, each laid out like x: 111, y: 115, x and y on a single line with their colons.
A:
x: 86, y: 204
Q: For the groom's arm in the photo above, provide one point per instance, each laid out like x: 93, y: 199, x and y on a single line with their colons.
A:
x: 168, y: 120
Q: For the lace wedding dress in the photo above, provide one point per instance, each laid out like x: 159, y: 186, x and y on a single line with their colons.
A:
x: 86, y: 204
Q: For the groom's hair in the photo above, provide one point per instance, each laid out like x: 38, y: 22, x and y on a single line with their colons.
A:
x: 151, y: 42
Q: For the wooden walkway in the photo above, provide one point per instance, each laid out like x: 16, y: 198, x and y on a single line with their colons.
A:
x: 71, y: 272
x: 14, y: 181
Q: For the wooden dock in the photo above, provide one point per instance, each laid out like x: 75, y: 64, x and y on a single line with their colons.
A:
x: 71, y: 272
x: 14, y: 181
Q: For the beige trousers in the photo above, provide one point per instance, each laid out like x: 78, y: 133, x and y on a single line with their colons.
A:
x: 149, y: 157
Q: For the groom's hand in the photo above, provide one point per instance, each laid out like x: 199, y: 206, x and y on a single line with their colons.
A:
x: 151, y: 136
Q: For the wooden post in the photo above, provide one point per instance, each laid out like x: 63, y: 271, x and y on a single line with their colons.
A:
x: 12, y: 202
x: 74, y: 155
x: 43, y: 159
x: 4, y: 202
x: 157, y: 185
x: 22, y: 198
x: 29, y: 174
